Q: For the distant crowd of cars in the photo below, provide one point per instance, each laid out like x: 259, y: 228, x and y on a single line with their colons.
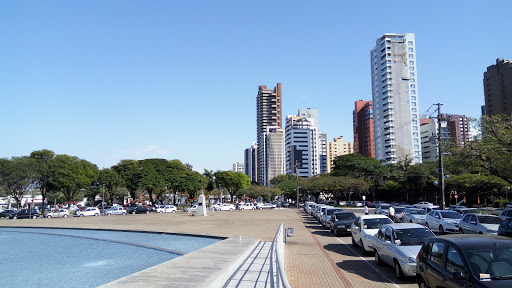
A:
x: 474, y: 255
x: 34, y: 213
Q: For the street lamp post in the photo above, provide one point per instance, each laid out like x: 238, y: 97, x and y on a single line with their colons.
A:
x: 103, y: 199
x: 297, y: 182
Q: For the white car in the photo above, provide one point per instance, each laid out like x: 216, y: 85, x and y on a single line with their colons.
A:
x: 115, y: 211
x: 90, y: 211
x: 414, y: 215
x: 226, y: 207
x: 265, y: 206
x: 57, y: 213
x: 423, y: 204
x: 364, y: 228
x: 246, y: 206
x: 479, y: 224
x: 166, y: 209
x: 443, y: 221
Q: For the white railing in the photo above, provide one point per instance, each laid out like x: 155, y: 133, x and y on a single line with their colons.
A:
x: 278, y: 278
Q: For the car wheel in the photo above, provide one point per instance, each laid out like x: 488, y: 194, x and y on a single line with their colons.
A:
x: 66, y: 216
x: 147, y: 212
x: 15, y: 217
x: 34, y: 217
x: 354, y: 244
x: 378, y: 261
x: 96, y: 214
x: 441, y: 229
x: 230, y: 209
x: 398, y: 271
x: 133, y: 212
x: 81, y: 215
x: 421, y: 283
x: 123, y: 213
x: 461, y: 231
x: 48, y: 216
x: 173, y: 211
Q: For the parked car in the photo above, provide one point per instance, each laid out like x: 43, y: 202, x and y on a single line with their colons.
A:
x: 507, y: 213
x: 423, y: 204
x: 138, y: 210
x: 88, y: 211
x: 115, y: 211
x: 453, y: 207
x: 430, y: 209
x: 341, y: 222
x: 479, y: 224
x: 505, y: 228
x: 465, y: 211
x: 327, y: 215
x: 398, y: 245
x: 322, y: 213
x: 166, y: 209
x: 25, y: 214
x: 57, y: 213
x: 265, y: 206
x: 192, y: 208
x: 363, y: 229
x: 465, y: 261
x: 225, y: 207
x: 414, y: 215
x: 7, y: 213
x: 246, y: 206
x: 443, y: 221
x: 399, y: 212
x: 382, y: 209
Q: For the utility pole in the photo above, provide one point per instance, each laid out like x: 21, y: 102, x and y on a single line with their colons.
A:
x: 441, y: 168
x: 297, y: 182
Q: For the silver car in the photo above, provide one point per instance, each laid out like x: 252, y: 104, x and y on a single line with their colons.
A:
x: 382, y: 209
x: 326, y: 216
x: 443, y: 221
x: 398, y: 245
x: 414, y: 215
x: 479, y: 224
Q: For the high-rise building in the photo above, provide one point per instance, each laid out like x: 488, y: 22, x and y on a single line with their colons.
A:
x: 396, y: 127
x: 311, y: 114
x: 268, y: 114
x: 238, y: 167
x: 459, y: 128
x: 324, y: 161
x: 337, y: 148
x: 498, y: 88
x: 273, y: 149
x: 428, y: 130
x: 302, y: 143
x: 363, y: 128
x: 251, y: 162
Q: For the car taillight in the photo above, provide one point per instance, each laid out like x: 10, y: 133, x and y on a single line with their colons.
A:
x: 418, y: 256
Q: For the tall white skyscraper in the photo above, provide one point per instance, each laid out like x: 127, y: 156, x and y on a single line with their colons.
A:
x: 395, y: 99
x: 302, y: 146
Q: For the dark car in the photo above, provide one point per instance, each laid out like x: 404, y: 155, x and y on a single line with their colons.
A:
x: 340, y: 222
x: 7, y: 213
x: 505, y: 228
x: 465, y: 261
x: 25, y: 214
x: 138, y: 210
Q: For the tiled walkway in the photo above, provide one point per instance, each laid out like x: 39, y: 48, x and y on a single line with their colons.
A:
x: 255, y: 270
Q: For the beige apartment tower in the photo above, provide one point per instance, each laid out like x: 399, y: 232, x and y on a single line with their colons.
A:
x: 337, y: 148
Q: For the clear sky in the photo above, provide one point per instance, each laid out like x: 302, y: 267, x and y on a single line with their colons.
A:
x: 121, y: 79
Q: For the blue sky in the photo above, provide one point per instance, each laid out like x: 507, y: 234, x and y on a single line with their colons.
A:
x: 112, y: 80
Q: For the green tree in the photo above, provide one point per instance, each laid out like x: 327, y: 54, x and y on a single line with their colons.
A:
x: 69, y: 174
x: 153, y: 176
x: 130, y: 174
x: 41, y: 167
x: 287, y: 184
x: 475, y: 186
x: 17, y: 175
x: 111, y: 181
x: 232, y: 181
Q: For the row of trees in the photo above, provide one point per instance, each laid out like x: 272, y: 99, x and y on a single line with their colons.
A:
x: 64, y: 178
x: 480, y: 171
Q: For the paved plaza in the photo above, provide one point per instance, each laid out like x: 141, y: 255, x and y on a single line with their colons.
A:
x: 313, y: 256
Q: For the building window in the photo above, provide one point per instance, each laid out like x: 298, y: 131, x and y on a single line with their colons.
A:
x: 409, y: 43
x: 416, y: 140
x: 413, y: 86
x: 412, y: 74
x: 411, y: 56
x: 413, y: 104
x: 413, y: 98
x: 412, y: 80
x: 411, y: 49
x: 413, y: 110
x: 414, y: 116
x: 416, y: 146
x: 411, y: 68
x: 411, y: 62
x: 415, y: 134
x: 414, y: 128
x: 413, y: 92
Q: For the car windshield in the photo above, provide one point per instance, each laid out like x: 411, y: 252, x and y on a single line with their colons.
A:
x: 418, y: 211
x: 345, y: 216
x: 485, y: 219
x: 331, y: 211
x: 451, y: 215
x: 375, y: 223
x: 384, y: 206
x: 399, y: 209
x: 495, y: 261
x: 467, y: 211
x: 413, y: 236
